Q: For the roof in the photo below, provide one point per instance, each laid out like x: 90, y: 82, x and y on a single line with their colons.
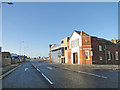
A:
x: 107, y: 42
x: 79, y: 32
x: 6, y: 52
x: 54, y: 47
x: 118, y: 44
x: 12, y: 54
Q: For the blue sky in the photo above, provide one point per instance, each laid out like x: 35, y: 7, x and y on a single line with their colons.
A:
x: 40, y: 24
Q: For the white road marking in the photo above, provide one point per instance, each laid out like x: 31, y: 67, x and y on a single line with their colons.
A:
x: 89, y: 73
x: 92, y: 74
x: 26, y: 69
x: 47, y: 78
x: 43, y: 75
x: 38, y: 69
x: 49, y: 68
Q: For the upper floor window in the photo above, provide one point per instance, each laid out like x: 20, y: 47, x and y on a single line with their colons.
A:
x: 62, y: 41
x: 100, y: 48
x: 109, y: 55
x: 62, y: 51
x: 116, y: 55
x: 65, y: 48
x: 101, y: 58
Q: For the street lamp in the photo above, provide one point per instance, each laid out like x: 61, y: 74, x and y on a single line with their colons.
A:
x: 7, y: 3
x: 10, y: 3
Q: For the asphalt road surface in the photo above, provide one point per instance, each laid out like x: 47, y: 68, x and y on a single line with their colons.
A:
x: 27, y: 76
x: 63, y: 78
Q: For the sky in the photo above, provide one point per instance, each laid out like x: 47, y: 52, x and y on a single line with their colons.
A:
x: 39, y: 24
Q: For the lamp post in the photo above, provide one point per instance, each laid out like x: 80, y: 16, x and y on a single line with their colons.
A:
x: 1, y: 19
x: 8, y: 2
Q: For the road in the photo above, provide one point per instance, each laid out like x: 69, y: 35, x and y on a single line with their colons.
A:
x: 27, y: 76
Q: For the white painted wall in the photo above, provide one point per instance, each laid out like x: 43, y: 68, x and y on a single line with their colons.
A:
x: 75, y: 49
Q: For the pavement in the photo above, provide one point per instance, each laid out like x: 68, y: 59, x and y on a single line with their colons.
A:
x: 87, y: 66
x: 44, y: 74
x: 8, y: 68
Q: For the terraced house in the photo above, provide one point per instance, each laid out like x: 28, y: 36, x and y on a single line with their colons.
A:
x: 81, y: 48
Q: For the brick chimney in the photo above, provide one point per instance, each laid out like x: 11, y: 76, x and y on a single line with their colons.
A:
x: 115, y: 41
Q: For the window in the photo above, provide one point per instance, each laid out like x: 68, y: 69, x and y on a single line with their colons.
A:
x: 109, y: 55
x: 59, y: 54
x: 101, y: 58
x: 87, y: 55
x: 100, y: 48
x: 62, y: 51
x: 61, y: 41
x: 65, y: 48
x: 75, y: 43
x: 116, y: 55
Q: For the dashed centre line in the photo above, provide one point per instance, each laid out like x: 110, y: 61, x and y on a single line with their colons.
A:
x: 42, y: 74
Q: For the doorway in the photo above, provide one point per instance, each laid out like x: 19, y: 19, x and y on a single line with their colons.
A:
x: 75, y: 58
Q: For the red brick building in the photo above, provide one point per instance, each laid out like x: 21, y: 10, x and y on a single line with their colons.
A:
x: 85, y: 49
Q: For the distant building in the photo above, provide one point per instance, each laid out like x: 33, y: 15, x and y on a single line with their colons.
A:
x: 6, y: 58
x: 55, y: 53
x: 115, y: 41
x: 14, y: 58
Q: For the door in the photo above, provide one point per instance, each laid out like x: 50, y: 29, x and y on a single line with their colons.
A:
x: 75, y: 58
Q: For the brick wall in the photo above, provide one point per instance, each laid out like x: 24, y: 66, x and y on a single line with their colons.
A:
x: 103, y: 53
x: 6, y: 62
x: 86, y: 46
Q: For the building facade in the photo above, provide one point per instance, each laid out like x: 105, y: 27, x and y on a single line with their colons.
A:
x: 82, y: 48
x: 105, y: 52
x: 64, y: 44
x: 55, y: 53
x: 79, y: 48
x: 86, y: 49
x: 6, y: 58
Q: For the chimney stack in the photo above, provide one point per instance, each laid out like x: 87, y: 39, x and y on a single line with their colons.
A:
x: 115, y: 41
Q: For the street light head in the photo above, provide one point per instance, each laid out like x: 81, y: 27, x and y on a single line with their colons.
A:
x: 10, y: 3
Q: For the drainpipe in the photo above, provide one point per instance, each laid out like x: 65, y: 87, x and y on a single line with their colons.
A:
x: 106, y: 54
x: 81, y: 49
